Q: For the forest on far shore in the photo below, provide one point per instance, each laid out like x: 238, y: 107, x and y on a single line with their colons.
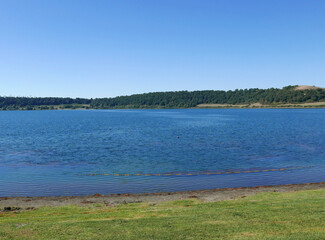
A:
x: 177, y: 99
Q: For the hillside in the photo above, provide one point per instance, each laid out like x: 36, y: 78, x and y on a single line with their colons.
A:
x: 290, y: 96
x: 253, y: 97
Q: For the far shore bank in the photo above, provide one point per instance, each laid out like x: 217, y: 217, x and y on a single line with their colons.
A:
x: 205, y: 107
x: 312, y: 105
x: 209, y: 195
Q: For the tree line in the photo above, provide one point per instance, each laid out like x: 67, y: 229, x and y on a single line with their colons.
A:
x: 186, y: 99
x: 31, y: 102
x: 178, y: 99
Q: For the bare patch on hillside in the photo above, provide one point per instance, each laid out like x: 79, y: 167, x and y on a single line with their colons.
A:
x: 306, y: 87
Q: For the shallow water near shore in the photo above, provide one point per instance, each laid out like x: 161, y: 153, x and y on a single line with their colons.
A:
x: 45, y: 153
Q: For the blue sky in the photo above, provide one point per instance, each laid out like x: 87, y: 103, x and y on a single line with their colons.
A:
x: 97, y: 48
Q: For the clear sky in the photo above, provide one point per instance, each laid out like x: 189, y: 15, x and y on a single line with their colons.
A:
x: 102, y: 48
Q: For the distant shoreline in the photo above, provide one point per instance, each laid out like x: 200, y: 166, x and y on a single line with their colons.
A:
x: 199, y: 106
x: 287, y: 97
x: 316, y: 105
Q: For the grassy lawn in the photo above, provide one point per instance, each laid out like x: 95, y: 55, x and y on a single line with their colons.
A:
x: 295, y: 215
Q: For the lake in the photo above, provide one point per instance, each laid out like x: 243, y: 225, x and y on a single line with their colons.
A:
x: 45, y: 153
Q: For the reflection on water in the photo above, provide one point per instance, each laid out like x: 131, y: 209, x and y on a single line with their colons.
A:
x: 67, y: 152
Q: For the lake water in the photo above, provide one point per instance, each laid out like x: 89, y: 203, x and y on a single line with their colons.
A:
x: 85, y: 152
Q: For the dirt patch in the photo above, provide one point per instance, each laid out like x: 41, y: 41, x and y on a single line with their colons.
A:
x: 256, y: 105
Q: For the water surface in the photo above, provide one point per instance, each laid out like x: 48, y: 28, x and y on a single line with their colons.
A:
x: 85, y: 152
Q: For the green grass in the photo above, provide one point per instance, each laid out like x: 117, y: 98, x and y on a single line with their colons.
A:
x: 295, y: 215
